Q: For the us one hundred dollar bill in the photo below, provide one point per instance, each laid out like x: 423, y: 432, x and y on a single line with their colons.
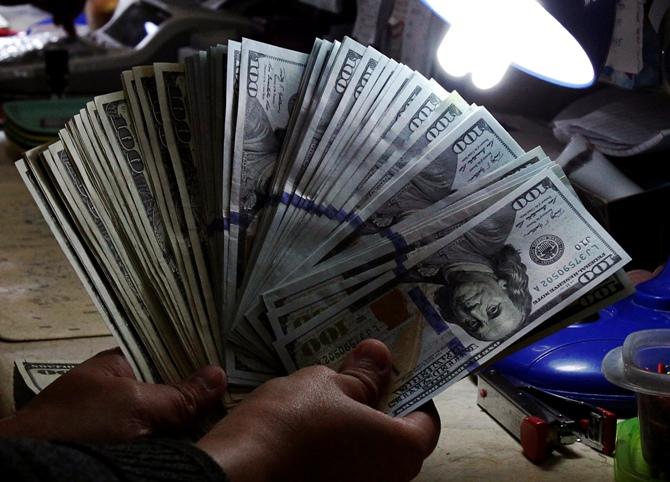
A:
x: 455, y: 303
x: 266, y: 209
x: 37, y: 375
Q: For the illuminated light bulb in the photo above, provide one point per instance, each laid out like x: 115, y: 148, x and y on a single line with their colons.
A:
x: 150, y: 27
x: 485, y: 37
x: 490, y: 75
x: 453, y: 54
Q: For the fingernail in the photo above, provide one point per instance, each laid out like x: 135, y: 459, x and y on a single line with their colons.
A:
x: 211, y: 377
x: 372, y: 354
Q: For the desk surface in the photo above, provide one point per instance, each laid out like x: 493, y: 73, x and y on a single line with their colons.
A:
x: 42, y: 297
x: 472, y: 447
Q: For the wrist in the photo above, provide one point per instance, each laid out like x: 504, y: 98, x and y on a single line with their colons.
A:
x: 25, y: 424
x: 13, y: 427
x: 244, y: 458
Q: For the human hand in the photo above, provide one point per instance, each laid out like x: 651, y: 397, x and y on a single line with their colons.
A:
x: 100, y: 401
x: 638, y: 276
x: 317, y: 424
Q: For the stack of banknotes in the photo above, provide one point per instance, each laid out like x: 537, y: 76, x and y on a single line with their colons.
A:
x: 265, y: 209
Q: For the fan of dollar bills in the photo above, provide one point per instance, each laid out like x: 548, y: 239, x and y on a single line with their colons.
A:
x: 265, y: 209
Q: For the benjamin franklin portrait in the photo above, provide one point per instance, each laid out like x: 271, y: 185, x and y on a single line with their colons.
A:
x: 479, y: 282
x: 426, y: 188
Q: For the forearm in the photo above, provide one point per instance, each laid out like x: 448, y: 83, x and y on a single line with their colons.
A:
x: 167, y: 460
x: 10, y: 427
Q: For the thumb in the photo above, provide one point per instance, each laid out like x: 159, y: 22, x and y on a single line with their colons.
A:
x: 423, y: 427
x: 366, y: 372
x: 173, y: 407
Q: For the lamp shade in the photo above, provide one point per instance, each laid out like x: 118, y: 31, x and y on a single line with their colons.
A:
x: 565, y: 42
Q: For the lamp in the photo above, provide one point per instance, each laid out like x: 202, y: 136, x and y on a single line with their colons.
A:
x: 562, y: 41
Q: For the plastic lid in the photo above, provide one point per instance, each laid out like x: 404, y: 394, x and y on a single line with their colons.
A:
x: 633, y: 366
x: 655, y: 293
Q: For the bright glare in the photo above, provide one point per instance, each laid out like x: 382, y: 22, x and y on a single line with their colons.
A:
x: 485, y: 37
x: 572, y: 367
x: 150, y: 27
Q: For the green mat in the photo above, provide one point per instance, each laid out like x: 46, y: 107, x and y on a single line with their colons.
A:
x: 629, y: 464
x: 33, y: 122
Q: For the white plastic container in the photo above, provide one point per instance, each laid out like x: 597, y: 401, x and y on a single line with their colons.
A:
x: 636, y: 366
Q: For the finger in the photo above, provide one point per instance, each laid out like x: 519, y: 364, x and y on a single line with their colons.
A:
x: 169, y: 407
x: 366, y: 372
x: 109, y: 362
x: 638, y: 276
x: 424, y: 427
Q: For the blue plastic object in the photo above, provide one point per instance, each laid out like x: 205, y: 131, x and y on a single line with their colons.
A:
x: 79, y: 21
x: 568, y: 362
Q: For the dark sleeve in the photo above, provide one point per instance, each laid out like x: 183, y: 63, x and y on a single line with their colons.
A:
x: 25, y: 460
